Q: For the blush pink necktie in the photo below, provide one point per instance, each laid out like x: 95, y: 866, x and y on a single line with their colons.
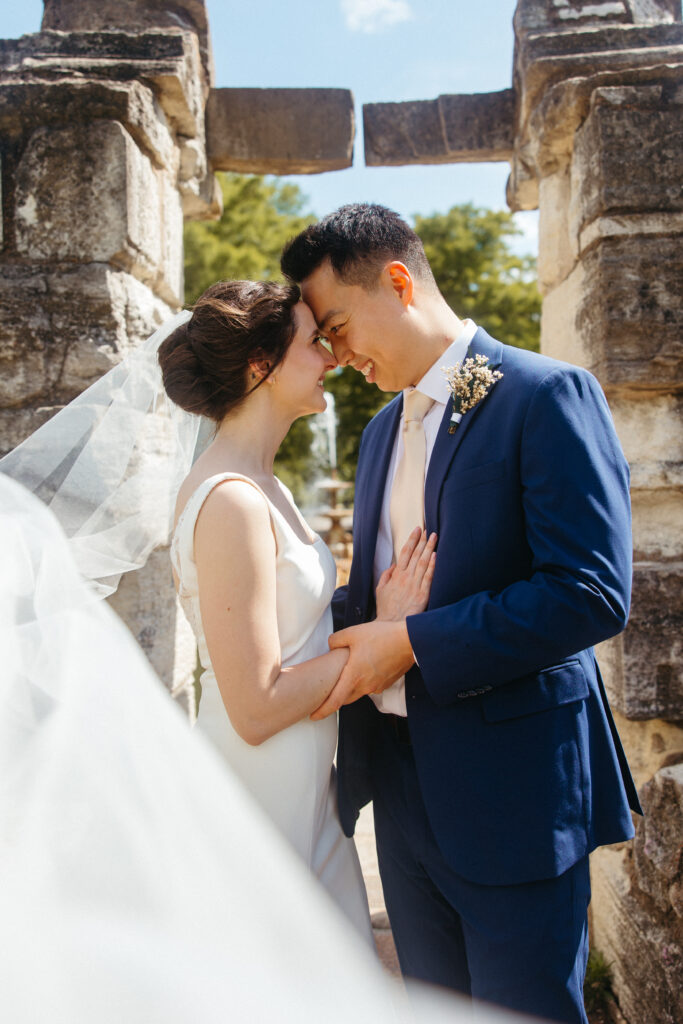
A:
x: 406, y: 505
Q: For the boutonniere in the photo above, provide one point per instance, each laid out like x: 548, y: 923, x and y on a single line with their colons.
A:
x: 469, y: 382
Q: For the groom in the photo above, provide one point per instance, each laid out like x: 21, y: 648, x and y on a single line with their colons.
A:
x: 480, y: 727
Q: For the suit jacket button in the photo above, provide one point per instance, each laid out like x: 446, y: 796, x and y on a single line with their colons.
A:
x: 358, y: 612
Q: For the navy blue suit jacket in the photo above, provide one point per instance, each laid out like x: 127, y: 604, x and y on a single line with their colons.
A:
x: 520, y: 766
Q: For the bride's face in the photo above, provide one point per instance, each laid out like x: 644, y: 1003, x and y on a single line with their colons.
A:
x: 300, y: 376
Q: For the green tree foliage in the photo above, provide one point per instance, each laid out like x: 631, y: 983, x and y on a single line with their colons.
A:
x: 259, y: 215
x: 469, y: 251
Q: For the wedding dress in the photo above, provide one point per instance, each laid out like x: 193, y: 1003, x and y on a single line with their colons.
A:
x: 291, y: 775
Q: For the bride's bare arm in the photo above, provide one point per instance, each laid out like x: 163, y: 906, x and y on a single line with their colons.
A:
x: 235, y: 553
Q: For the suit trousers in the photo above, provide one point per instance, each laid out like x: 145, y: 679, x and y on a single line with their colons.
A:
x: 523, y: 947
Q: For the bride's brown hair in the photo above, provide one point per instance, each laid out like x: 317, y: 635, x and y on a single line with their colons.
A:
x: 205, y: 363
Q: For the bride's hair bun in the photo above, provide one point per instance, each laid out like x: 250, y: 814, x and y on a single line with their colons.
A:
x: 205, y: 362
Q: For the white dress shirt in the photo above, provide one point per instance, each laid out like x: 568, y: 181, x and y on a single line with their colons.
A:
x: 433, y: 384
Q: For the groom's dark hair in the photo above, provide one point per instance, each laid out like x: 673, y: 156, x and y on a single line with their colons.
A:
x: 359, y: 240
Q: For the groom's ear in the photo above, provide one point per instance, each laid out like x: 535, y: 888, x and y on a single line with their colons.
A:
x: 401, y: 281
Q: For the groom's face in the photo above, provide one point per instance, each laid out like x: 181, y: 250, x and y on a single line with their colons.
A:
x: 366, y: 329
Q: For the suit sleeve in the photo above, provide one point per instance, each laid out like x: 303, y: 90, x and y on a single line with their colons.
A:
x: 575, y: 493
x: 339, y: 608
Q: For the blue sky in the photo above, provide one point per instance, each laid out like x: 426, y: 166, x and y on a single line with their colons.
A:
x: 380, y: 49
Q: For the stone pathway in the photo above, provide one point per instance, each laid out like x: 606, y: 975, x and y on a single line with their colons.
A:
x: 365, y: 844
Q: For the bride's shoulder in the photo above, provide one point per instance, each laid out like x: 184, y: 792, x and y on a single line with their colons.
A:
x: 197, y: 488
x: 236, y: 502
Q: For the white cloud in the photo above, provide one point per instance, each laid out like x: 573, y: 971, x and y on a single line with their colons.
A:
x: 374, y: 15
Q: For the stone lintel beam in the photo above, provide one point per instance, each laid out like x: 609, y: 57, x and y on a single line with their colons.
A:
x: 450, y: 129
x: 279, y: 131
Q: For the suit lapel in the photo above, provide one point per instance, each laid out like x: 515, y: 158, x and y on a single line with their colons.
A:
x: 378, y: 465
x: 446, y: 445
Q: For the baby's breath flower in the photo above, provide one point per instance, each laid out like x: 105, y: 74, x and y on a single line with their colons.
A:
x: 469, y: 382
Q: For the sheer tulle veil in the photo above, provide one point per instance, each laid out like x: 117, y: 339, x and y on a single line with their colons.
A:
x: 125, y: 897
x: 109, y: 465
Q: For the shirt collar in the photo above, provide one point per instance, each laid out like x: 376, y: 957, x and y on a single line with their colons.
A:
x: 434, y: 384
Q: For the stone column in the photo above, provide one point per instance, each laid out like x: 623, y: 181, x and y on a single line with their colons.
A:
x: 599, y: 149
x: 103, y: 152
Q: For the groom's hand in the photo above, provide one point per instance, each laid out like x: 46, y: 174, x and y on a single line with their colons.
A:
x: 379, y: 654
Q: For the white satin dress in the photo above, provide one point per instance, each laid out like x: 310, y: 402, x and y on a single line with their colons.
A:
x: 291, y: 775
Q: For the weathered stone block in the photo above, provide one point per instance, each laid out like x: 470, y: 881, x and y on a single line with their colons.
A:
x: 582, y: 59
x: 132, y: 16
x: 627, y: 328
x: 168, y: 61
x: 147, y: 603
x: 559, y: 336
x: 641, y: 945
x: 449, y: 129
x: 47, y: 354
x: 532, y: 15
x: 26, y: 104
x: 202, y: 198
x: 649, y: 653
x: 87, y: 193
x: 628, y: 154
x: 632, y: 311
x: 556, y: 254
x: 479, y: 126
x: 17, y: 424
x: 403, y: 133
x: 657, y: 519
x: 650, y: 428
x: 633, y: 226
x: 170, y: 276
x: 658, y: 846
x: 280, y: 131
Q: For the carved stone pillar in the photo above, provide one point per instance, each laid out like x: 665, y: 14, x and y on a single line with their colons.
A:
x: 599, y: 149
x: 103, y: 151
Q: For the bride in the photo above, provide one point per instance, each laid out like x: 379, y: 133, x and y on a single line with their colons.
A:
x: 254, y: 582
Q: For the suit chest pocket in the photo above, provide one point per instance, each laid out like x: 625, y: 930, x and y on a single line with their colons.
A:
x: 476, y: 476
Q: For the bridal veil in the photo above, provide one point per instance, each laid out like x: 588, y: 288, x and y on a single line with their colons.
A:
x: 109, y: 465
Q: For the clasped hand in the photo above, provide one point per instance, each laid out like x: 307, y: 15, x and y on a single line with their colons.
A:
x: 380, y: 651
